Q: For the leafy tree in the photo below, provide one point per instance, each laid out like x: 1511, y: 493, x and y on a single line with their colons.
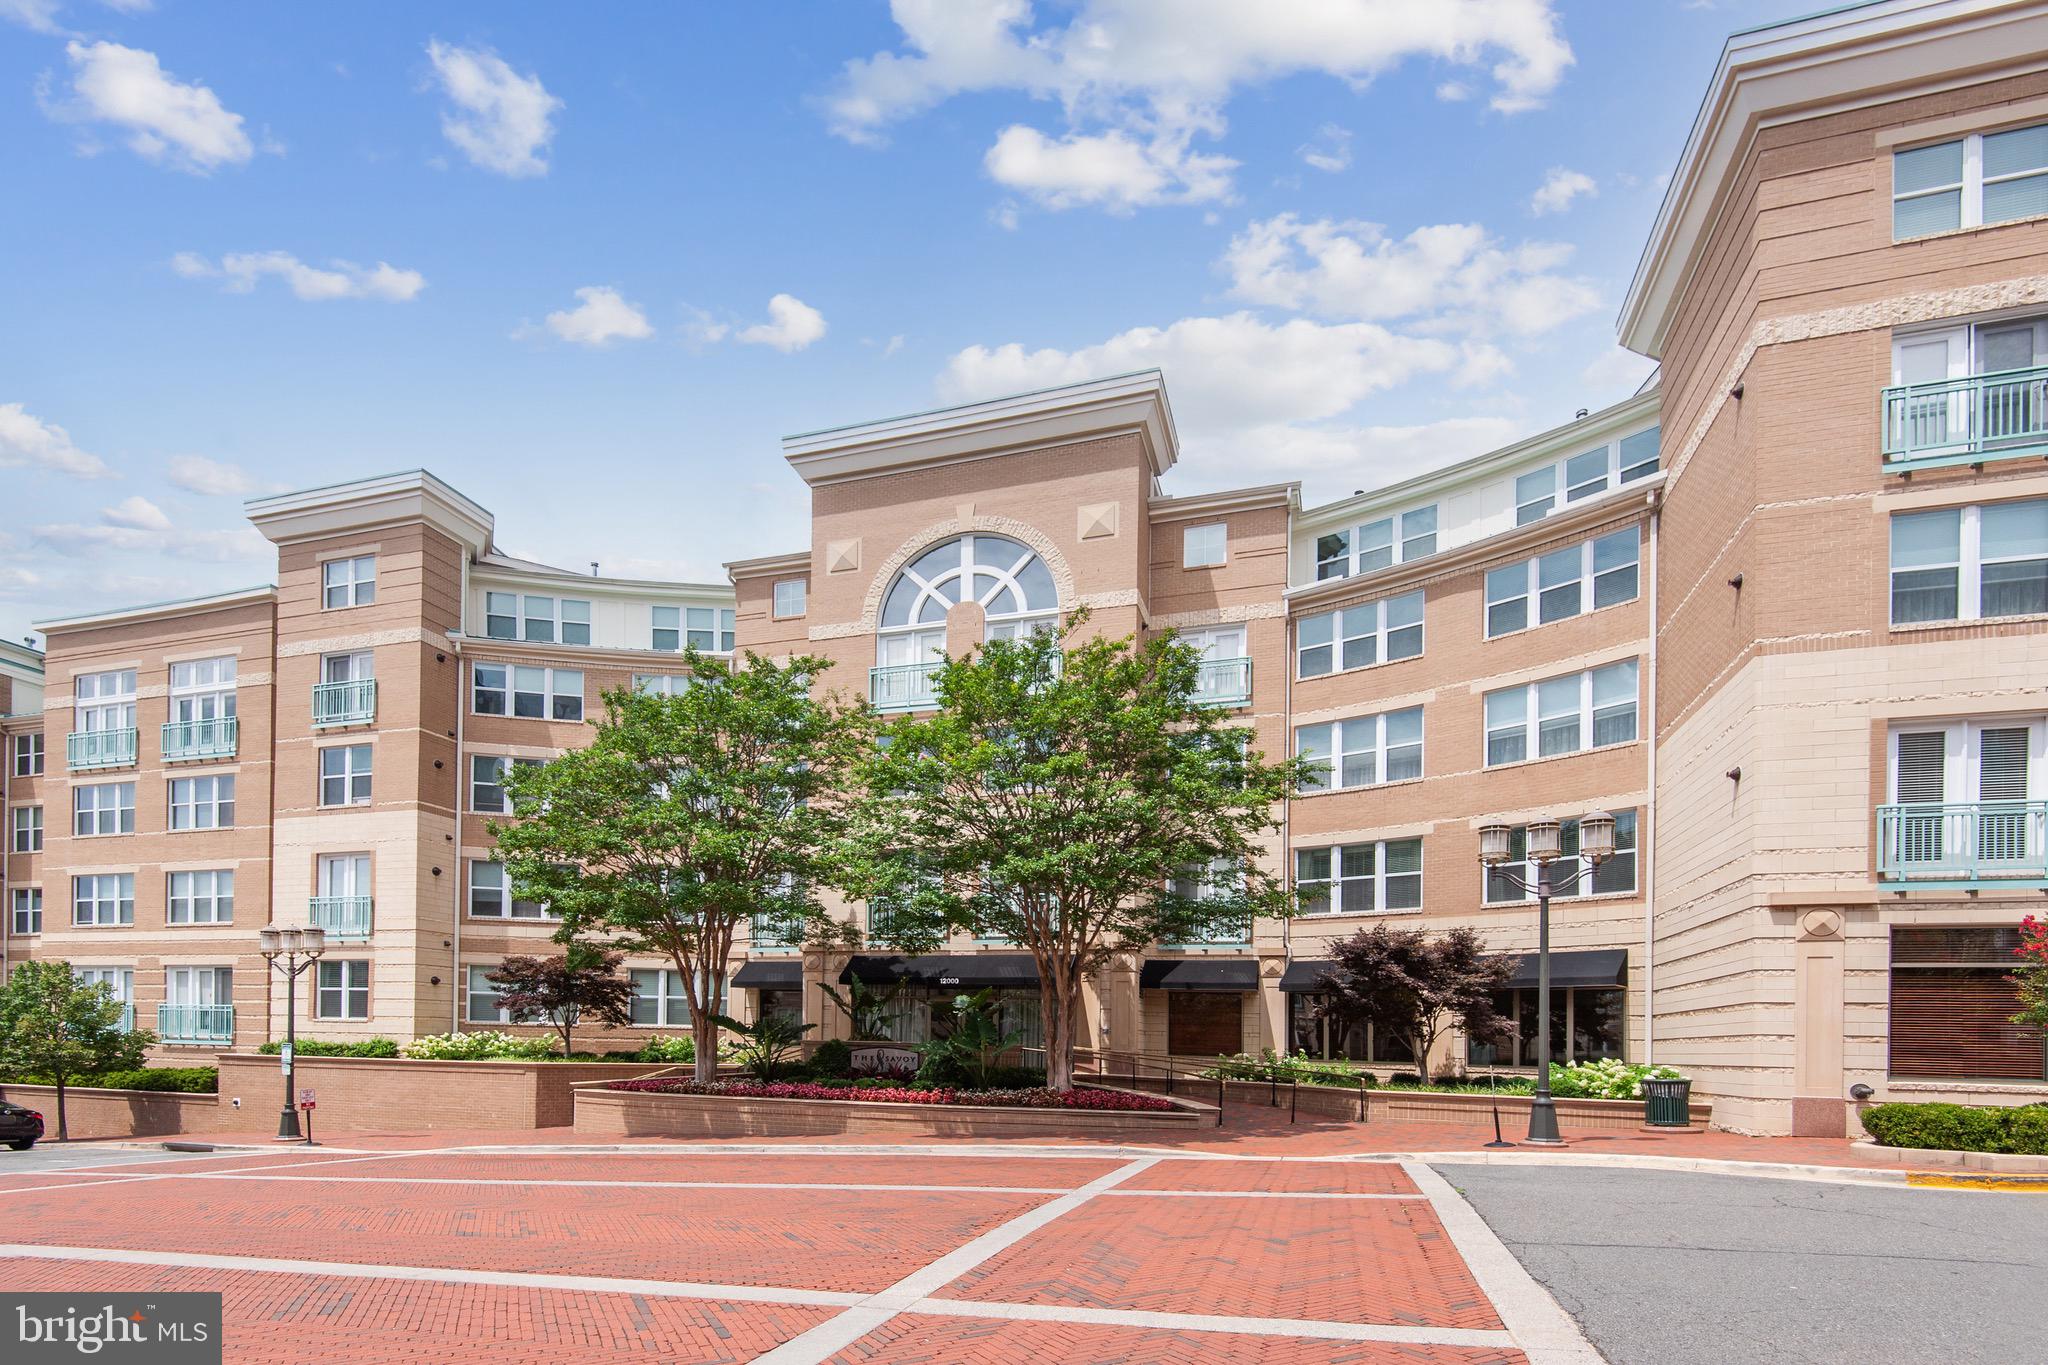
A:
x: 1404, y: 982
x: 1050, y: 801
x: 582, y: 983
x: 968, y: 1039
x: 53, y: 1024
x: 768, y: 1044
x: 688, y: 817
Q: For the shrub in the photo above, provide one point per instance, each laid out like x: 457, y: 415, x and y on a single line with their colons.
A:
x: 1609, y: 1079
x: 191, y: 1080
x: 675, y: 1047
x: 316, y: 1047
x: 1960, y: 1127
x: 1268, y: 1066
x: 482, y: 1046
x: 881, y: 1092
x: 832, y: 1058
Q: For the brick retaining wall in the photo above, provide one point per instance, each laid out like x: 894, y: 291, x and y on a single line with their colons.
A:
x: 631, y: 1113
x: 94, y: 1113
x: 360, y: 1093
x: 1414, y: 1106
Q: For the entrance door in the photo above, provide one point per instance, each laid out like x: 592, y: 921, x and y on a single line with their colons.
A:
x: 1204, y: 1023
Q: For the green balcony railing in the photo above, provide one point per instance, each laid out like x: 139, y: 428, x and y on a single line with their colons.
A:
x: 100, y: 749
x: 195, y: 1024
x: 127, y: 1018
x: 1970, y: 420
x: 766, y: 935
x: 1963, y: 844
x: 343, y: 917
x: 903, y: 687
x: 1224, y: 682
x: 1237, y: 935
x: 184, y: 740
x: 345, y: 703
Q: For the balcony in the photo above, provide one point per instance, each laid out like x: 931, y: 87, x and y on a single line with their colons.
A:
x: 1963, y: 846
x: 345, y: 703
x: 186, y: 740
x: 1238, y: 935
x: 904, y: 687
x: 1972, y: 420
x: 343, y: 917
x: 1224, y: 682
x: 765, y: 935
x: 100, y: 749
x: 195, y: 1025
x: 127, y: 1018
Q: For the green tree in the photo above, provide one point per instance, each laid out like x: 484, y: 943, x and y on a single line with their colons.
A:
x: 688, y: 817
x: 1412, y: 985
x: 53, y: 1024
x: 562, y: 991
x: 1054, y: 799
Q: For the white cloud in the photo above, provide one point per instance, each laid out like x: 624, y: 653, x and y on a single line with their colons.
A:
x: 137, y: 513
x: 1450, y: 275
x: 27, y: 441
x: 215, y: 479
x: 1331, y: 151
x: 892, y: 346
x: 502, y: 121
x: 38, y: 16
x: 1559, y: 188
x: 1616, y: 373
x: 792, y: 325
x: 114, y: 534
x: 168, y: 121
x: 1454, y: 92
x: 1111, y: 170
x: 601, y: 318
x: 342, y: 280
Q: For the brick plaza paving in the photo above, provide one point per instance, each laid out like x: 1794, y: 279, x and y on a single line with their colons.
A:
x: 1260, y: 1241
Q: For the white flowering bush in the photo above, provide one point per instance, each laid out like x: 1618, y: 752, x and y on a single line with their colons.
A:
x: 472, y: 1047
x: 1608, y: 1079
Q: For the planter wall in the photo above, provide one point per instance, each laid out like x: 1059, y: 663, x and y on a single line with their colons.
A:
x: 95, y: 1113
x: 357, y: 1093
x: 1415, y: 1106
x: 629, y: 1113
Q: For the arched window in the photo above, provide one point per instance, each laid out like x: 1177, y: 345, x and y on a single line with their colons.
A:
x: 1007, y: 578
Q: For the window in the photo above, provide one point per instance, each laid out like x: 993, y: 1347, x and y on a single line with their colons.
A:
x: 1970, y: 563
x: 103, y: 898
x: 104, y: 701
x: 28, y: 755
x: 1564, y: 583
x: 1359, y: 879
x: 201, y: 898
x: 1565, y: 715
x: 501, y: 615
x: 662, y: 684
x: 1964, y: 799
x: 1535, y: 494
x: 343, y: 876
x: 1311, y: 1035
x: 1952, y: 1002
x: 203, y: 690
x: 487, y: 782
x: 1587, y: 474
x: 119, y: 980
x: 1983, y: 178
x: 1585, y: 1026
x: 28, y: 829
x: 360, y: 666
x: 658, y: 997
x: 344, y: 991
x: 789, y: 596
x: 710, y: 630
x: 1376, y: 544
x: 668, y: 629
x: 1360, y: 636
x: 204, y: 802
x: 104, y: 808
x: 487, y: 895
x: 1616, y: 876
x: 1009, y: 580
x: 345, y: 775
x: 348, y: 582
x: 482, y: 1006
x: 1363, y: 751
x: 1205, y: 547
x: 543, y: 620
x: 199, y: 988
x: 533, y: 693
x: 28, y: 910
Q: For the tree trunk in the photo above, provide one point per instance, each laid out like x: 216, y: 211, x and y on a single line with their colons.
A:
x: 1059, y: 1038
x: 63, y: 1132
x: 707, y: 1044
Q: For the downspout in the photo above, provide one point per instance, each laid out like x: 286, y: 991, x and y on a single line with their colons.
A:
x: 8, y: 741
x: 1646, y: 841
x: 1287, y: 659
x: 460, y: 864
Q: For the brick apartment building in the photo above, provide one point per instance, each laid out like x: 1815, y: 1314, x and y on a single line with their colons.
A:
x: 1781, y: 613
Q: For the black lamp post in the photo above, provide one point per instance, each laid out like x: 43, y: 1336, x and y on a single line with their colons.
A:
x: 292, y: 945
x: 1544, y: 846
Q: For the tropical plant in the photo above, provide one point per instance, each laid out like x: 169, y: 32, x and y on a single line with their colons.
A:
x: 688, y: 818
x: 1413, y: 985
x: 868, y: 1009
x: 53, y: 1024
x: 1052, y: 800
x: 767, y: 1045
x: 968, y: 1041
x: 580, y: 983
x: 478, y: 1046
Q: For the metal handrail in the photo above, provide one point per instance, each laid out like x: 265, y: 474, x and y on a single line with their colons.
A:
x: 1961, y: 420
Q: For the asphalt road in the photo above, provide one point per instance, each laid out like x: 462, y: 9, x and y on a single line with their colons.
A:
x: 1665, y: 1268
x: 51, y: 1155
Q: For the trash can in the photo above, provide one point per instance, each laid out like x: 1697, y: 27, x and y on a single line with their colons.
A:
x: 1667, y: 1104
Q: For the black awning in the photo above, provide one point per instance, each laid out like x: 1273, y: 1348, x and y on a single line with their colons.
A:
x: 1200, y: 974
x: 945, y: 971
x: 770, y: 974
x: 1588, y: 967
x: 1305, y: 975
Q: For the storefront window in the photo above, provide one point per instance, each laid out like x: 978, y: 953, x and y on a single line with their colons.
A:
x: 1585, y: 1026
x: 1310, y: 1036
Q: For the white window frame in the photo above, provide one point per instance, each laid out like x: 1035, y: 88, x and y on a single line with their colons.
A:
x: 1334, y: 744
x: 206, y: 897
x: 1627, y: 829
x: 671, y: 1001
x: 29, y: 754
x: 477, y: 987
x: 1963, y: 756
x: 122, y: 979
x: 495, y: 781
x: 1533, y: 713
x: 346, y: 773
x: 1337, y: 901
x: 1969, y: 190
x: 350, y: 582
x: 26, y: 910
x: 663, y: 684
x: 791, y: 597
x: 1364, y: 621
x: 203, y: 689
x: 199, y: 987
x: 26, y: 830
x: 1969, y: 564
x: 343, y: 876
x: 501, y: 606
x: 100, y: 890
x: 490, y: 882
x: 352, y: 987
x: 204, y: 801
x: 90, y: 804
x: 553, y: 690
x: 540, y: 618
x: 1406, y: 535
x: 1206, y: 546
x: 711, y: 630
x: 1523, y: 582
x: 358, y: 665
x: 1548, y: 488
x: 104, y: 701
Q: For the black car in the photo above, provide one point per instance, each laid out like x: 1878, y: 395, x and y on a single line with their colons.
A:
x: 19, y: 1127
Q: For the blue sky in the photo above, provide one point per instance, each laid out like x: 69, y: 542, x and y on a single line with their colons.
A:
x: 590, y: 263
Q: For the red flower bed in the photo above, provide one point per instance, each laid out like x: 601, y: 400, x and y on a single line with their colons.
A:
x: 1037, y: 1098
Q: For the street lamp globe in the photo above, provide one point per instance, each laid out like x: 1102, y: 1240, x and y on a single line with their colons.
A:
x: 1546, y: 840
x: 269, y: 941
x: 1493, y: 842
x: 1596, y: 837
x: 313, y: 939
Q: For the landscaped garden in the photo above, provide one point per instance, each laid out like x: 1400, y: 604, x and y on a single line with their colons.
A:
x: 1609, y: 1079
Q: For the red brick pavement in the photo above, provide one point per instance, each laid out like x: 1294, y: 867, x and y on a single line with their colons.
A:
x: 1280, y: 1177
x: 797, y: 1166
x: 913, y: 1340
